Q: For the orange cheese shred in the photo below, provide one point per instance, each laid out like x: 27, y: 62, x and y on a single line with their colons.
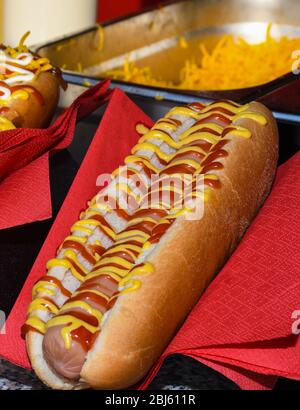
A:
x: 233, y: 63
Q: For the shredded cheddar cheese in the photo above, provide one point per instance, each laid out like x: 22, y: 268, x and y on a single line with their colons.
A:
x: 232, y: 64
x: 37, y: 64
x: 100, y: 35
x: 86, y: 83
x: 182, y: 42
x: 159, y: 97
x: 64, y: 45
x: 22, y: 48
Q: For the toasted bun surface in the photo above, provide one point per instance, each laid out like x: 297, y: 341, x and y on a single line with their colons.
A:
x: 189, y: 255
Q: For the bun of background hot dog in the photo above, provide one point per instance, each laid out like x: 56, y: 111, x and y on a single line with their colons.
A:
x: 174, y: 271
x: 29, y: 88
x: 35, y: 112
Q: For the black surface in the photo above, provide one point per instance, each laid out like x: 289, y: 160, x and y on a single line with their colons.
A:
x: 184, y: 372
x: 177, y: 373
x: 20, y: 246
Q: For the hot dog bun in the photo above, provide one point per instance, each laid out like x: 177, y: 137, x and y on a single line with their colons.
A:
x: 170, y: 274
x: 29, y: 88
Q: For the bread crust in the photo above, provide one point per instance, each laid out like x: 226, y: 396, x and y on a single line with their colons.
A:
x: 188, y: 256
x: 31, y: 113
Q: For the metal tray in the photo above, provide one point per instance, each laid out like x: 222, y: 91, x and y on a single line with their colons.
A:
x: 151, y: 38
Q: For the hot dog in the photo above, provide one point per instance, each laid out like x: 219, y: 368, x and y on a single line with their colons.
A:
x: 29, y: 88
x: 136, y: 262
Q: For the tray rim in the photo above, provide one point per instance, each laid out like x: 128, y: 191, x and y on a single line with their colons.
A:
x: 173, y: 94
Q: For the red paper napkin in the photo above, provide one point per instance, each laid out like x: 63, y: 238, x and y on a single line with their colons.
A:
x: 242, y: 326
x: 24, y: 166
x: 25, y: 195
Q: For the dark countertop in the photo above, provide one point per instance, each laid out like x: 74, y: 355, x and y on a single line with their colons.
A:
x: 178, y: 373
